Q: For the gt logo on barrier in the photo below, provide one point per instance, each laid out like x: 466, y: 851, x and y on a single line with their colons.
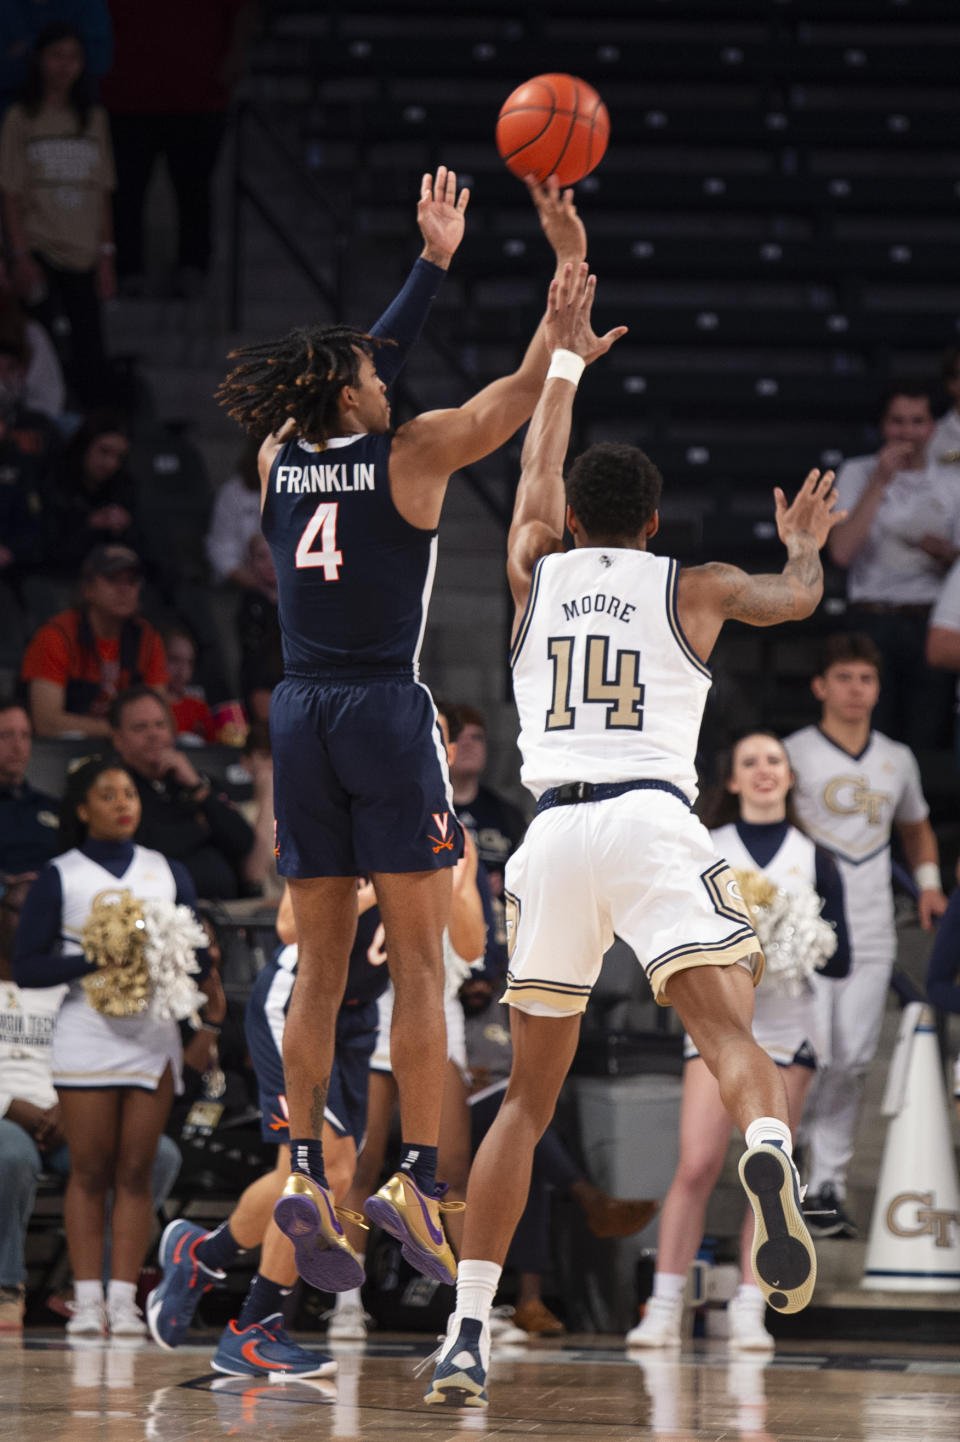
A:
x: 929, y: 1220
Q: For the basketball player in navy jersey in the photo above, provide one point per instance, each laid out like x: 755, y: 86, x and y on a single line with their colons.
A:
x: 609, y: 652
x: 350, y: 509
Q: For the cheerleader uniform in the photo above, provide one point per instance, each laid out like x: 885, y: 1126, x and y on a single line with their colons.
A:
x: 786, y: 1026
x: 91, y: 1050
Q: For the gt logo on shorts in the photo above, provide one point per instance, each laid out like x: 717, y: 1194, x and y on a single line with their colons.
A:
x: 724, y: 893
x: 441, y: 820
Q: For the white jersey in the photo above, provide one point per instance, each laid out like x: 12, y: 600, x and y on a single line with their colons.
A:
x: 849, y: 805
x: 792, y: 868
x: 607, y: 686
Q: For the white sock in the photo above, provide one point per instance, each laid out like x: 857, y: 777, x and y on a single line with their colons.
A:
x: 748, y: 1292
x: 769, y: 1129
x: 668, y: 1286
x: 347, y: 1299
x: 477, y: 1284
x: 121, y: 1293
x: 85, y: 1293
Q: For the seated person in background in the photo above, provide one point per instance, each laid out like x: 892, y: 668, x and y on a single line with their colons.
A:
x: 900, y: 536
x: 28, y: 819
x: 258, y: 629
x: 91, y: 496
x: 181, y: 815
x: 81, y: 659
x: 43, y: 386
x: 496, y: 825
x: 235, y: 518
x: 192, y: 716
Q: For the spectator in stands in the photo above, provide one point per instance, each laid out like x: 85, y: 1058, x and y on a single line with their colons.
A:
x: 170, y: 98
x: 181, y: 814
x: 945, y: 442
x: 853, y: 786
x: 191, y: 714
x: 22, y: 21
x: 235, y: 518
x: 943, y: 636
x: 82, y: 658
x: 56, y: 175
x: 91, y: 496
x: 258, y: 628
x: 901, y: 534
x: 44, y: 390
x: 25, y: 446
x: 28, y: 817
x: 497, y: 826
x: 115, y: 1074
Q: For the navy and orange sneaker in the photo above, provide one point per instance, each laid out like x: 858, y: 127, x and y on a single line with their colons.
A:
x: 264, y: 1349
x: 784, y: 1261
x: 408, y: 1214
x: 307, y: 1215
x: 171, y: 1304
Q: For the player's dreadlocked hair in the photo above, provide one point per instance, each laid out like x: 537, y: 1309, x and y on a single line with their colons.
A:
x: 298, y: 378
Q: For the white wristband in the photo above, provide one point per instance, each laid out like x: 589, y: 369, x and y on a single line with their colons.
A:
x: 566, y: 365
x: 927, y: 876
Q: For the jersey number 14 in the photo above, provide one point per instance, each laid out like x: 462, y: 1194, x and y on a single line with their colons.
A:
x: 623, y: 696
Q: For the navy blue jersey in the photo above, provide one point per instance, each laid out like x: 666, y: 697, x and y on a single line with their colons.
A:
x: 354, y: 577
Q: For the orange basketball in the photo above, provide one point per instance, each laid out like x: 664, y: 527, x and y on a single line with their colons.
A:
x: 553, y: 125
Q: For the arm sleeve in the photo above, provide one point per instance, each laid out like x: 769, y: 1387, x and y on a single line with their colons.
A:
x: 829, y: 885
x: 943, y: 967
x: 37, y: 960
x: 911, y: 803
x: 404, y: 318
x: 187, y: 896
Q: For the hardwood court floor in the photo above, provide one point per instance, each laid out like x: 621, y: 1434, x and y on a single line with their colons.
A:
x: 586, y: 1389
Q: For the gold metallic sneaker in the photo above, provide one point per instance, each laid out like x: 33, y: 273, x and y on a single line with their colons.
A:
x: 306, y: 1214
x: 401, y: 1209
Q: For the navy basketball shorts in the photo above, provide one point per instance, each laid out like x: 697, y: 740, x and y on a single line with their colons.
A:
x: 360, y: 779
x: 346, y: 1105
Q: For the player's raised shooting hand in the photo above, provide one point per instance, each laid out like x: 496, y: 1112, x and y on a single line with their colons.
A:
x: 558, y: 217
x: 811, y: 511
x: 568, y: 323
x: 441, y: 215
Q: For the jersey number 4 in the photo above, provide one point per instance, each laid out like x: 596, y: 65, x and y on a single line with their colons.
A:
x: 323, y: 522
x: 623, y: 696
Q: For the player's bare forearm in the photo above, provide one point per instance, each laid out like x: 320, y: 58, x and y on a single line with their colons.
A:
x: 540, y: 494
x: 919, y: 843
x: 767, y: 600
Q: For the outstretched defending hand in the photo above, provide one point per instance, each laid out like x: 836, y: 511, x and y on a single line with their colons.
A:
x: 558, y: 217
x: 440, y: 215
x: 812, y: 509
x: 567, y: 324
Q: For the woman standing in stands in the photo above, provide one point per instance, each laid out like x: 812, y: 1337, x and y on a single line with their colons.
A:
x: 115, y: 1070
x: 56, y: 176
x: 761, y: 842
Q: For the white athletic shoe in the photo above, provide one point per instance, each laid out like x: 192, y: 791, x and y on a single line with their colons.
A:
x: 660, y: 1326
x: 88, y: 1320
x: 124, y: 1319
x: 348, y: 1324
x: 745, y: 1322
x: 503, y: 1329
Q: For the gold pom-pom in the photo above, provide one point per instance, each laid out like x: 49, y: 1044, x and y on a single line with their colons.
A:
x: 113, y: 936
x: 755, y: 889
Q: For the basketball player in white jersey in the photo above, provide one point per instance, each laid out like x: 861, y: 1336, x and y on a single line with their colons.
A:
x: 609, y: 657
x: 853, y: 786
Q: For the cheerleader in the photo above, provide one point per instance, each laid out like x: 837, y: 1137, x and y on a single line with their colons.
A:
x: 115, y: 1075
x: 762, y: 839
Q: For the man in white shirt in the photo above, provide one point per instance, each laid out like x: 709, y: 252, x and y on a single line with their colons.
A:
x: 945, y: 445
x: 943, y: 633
x: 853, y: 785
x: 901, y: 534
